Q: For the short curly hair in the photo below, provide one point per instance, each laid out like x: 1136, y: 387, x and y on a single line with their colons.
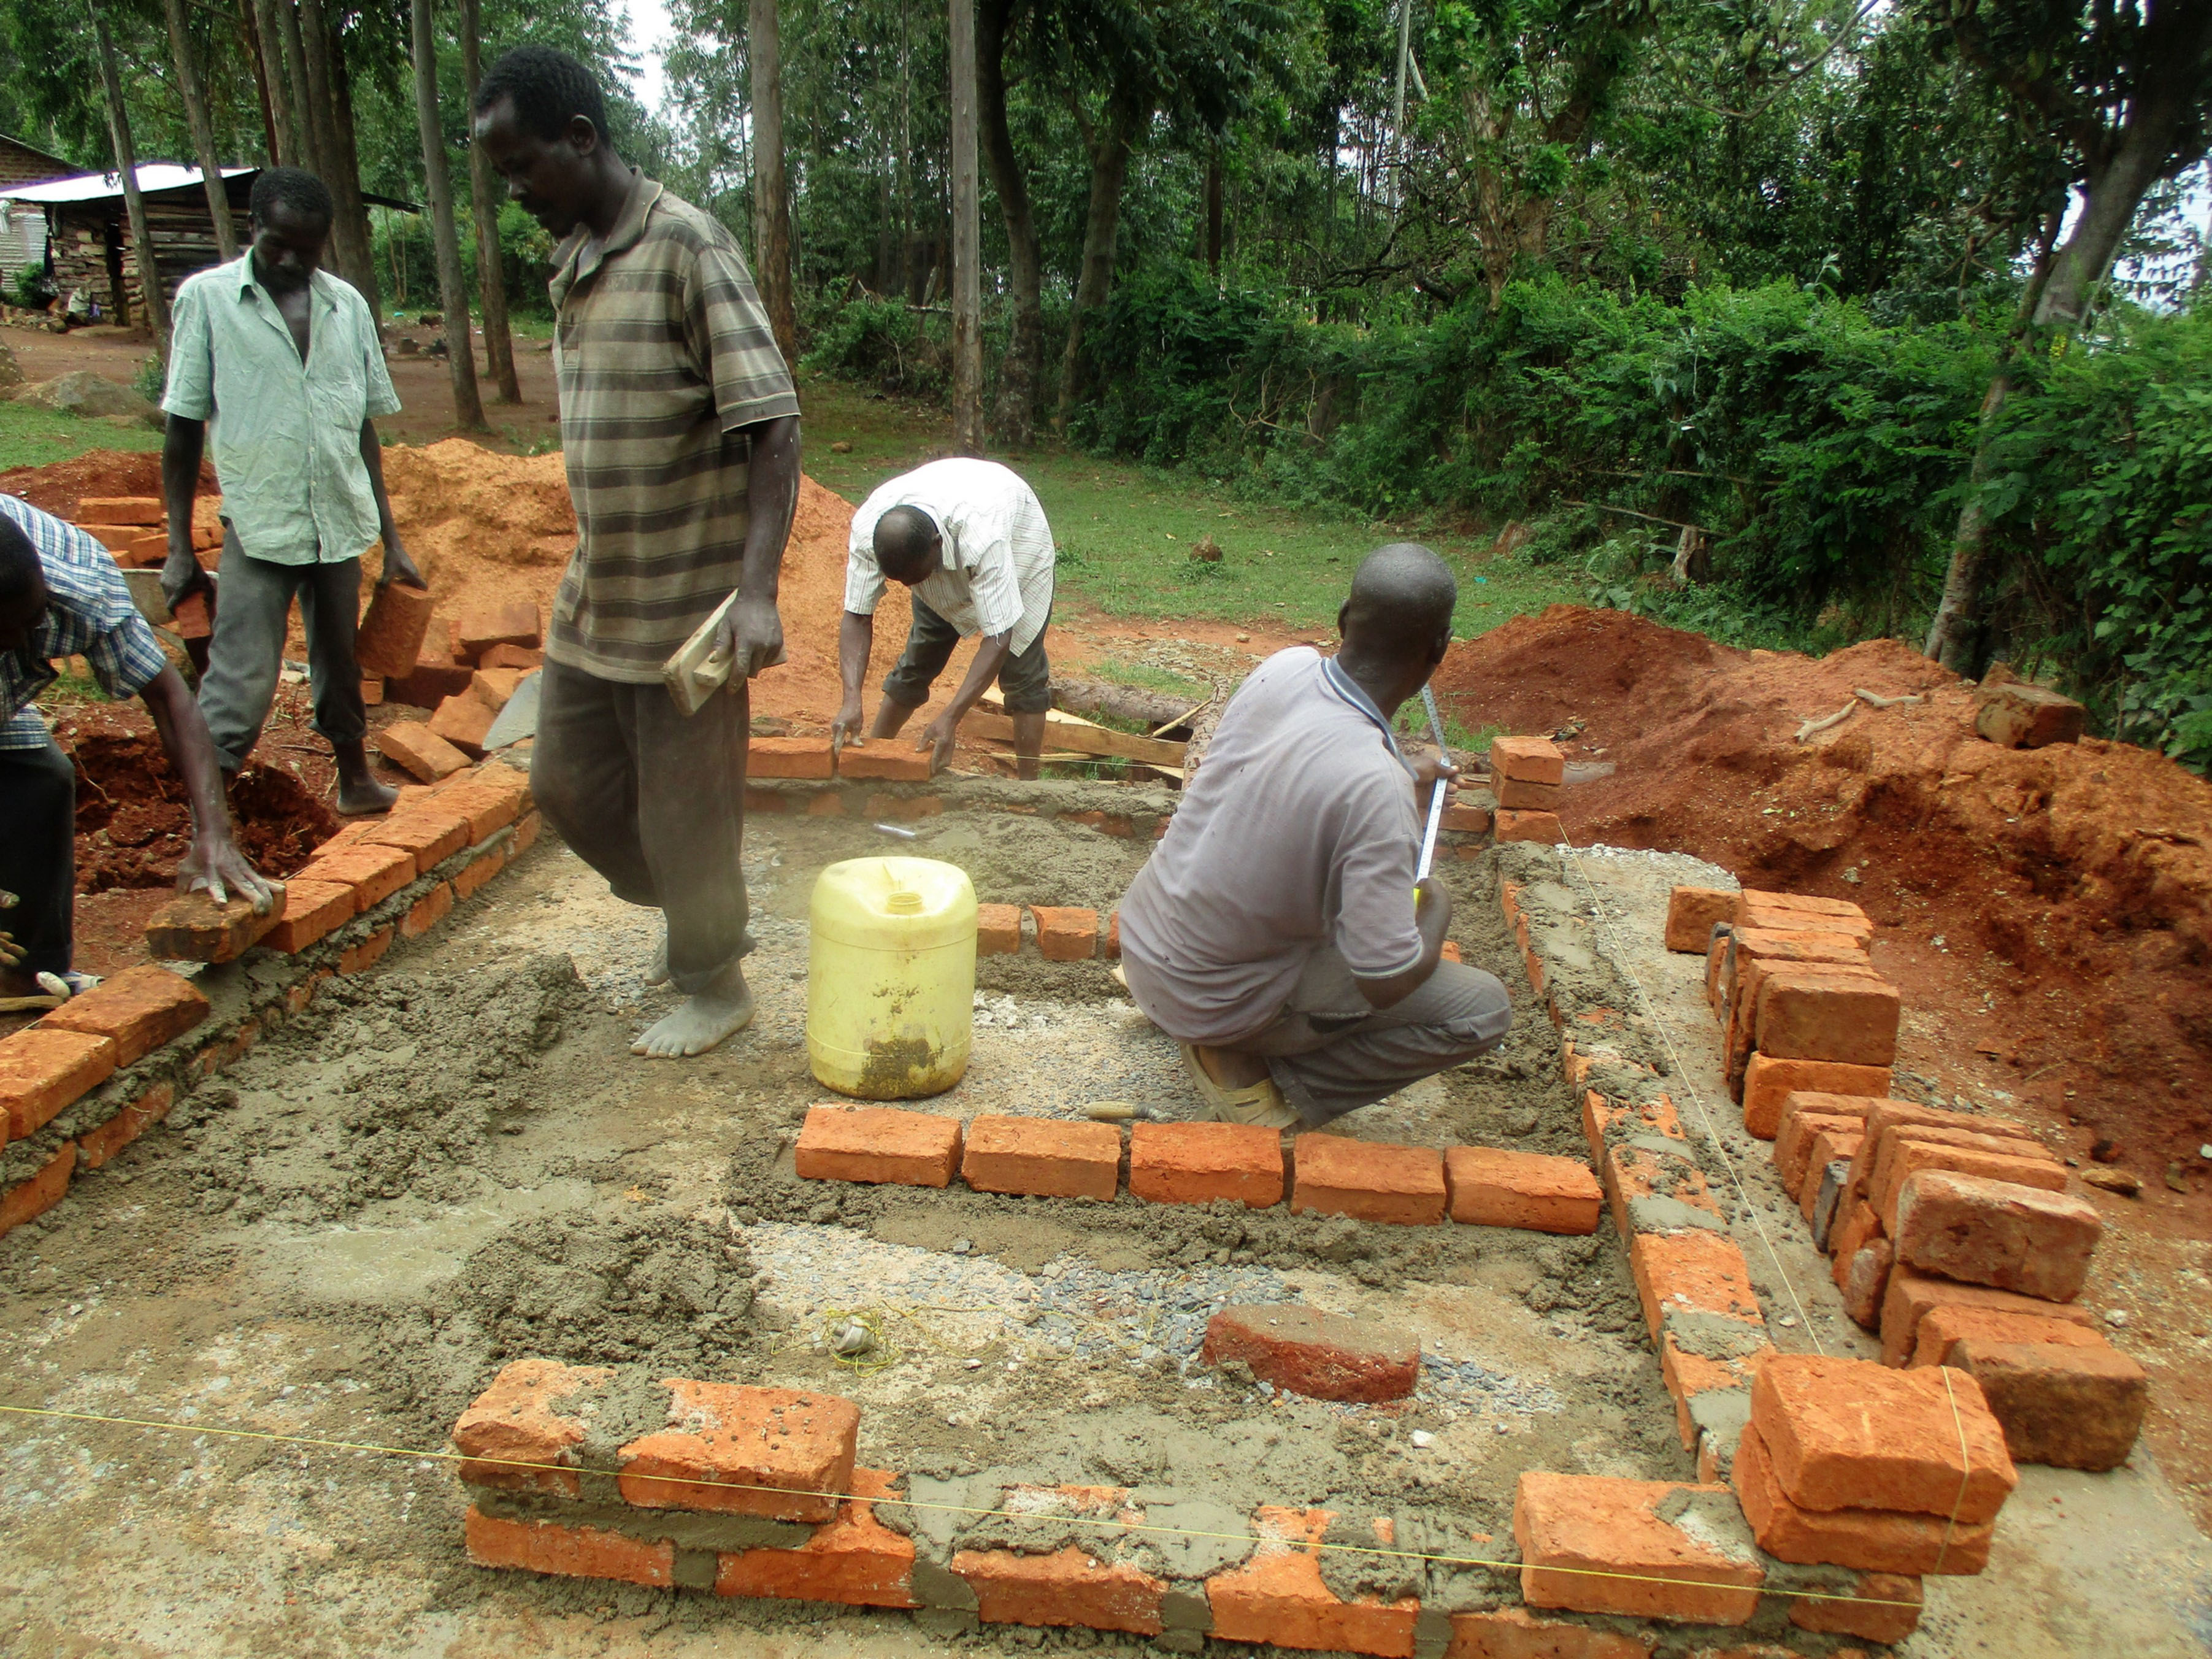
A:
x: 292, y: 187
x: 548, y: 89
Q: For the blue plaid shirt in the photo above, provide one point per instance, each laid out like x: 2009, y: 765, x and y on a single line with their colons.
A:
x: 89, y: 613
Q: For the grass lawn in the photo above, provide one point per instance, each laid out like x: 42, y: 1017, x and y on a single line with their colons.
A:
x: 34, y: 437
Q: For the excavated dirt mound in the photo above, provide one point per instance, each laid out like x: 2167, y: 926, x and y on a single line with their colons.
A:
x: 57, y: 487
x: 2066, y: 890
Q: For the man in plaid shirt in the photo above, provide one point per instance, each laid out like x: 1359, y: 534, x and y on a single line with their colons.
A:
x: 62, y: 595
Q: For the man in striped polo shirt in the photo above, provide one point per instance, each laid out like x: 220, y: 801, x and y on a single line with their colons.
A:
x: 681, y: 433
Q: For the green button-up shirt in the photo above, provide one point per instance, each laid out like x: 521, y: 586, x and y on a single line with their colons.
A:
x: 287, y: 437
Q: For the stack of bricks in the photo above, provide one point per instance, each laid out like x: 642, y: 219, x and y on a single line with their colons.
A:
x: 1059, y: 933
x: 1956, y: 1236
x: 508, y: 638
x: 134, y: 528
x: 1527, y: 774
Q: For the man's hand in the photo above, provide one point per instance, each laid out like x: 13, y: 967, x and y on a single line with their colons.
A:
x: 181, y: 576
x: 751, y: 636
x: 1429, y: 766
x: 846, y: 728
x: 938, y: 738
x: 11, y: 953
x: 214, y: 866
x: 1432, y: 907
x: 400, y: 567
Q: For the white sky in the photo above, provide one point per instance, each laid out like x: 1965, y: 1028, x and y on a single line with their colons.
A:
x: 650, y: 33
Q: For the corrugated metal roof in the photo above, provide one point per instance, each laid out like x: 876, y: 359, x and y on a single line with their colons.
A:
x: 153, y: 176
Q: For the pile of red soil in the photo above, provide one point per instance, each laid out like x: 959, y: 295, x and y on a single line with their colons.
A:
x: 2052, y: 907
x: 57, y: 489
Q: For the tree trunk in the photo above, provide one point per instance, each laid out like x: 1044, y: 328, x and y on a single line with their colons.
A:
x: 1213, y: 208
x: 967, y: 236
x: 1097, y: 698
x: 1021, y: 376
x: 307, y: 150
x: 771, y: 200
x: 126, y: 165
x: 194, y: 96
x: 333, y: 114
x: 266, y: 66
x: 452, y: 290
x: 484, y: 193
x: 1125, y: 114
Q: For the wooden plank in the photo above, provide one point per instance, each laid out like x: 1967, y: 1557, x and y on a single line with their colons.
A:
x: 1069, y: 732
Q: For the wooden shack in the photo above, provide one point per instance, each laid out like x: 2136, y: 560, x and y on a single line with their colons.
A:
x: 23, y: 226
x: 89, y: 234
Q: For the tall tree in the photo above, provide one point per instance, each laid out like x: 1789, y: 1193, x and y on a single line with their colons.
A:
x: 771, y: 199
x: 307, y: 130
x: 967, y: 238
x: 484, y: 193
x: 453, y: 287
x: 1021, y: 376
x: 330, y: 111
x: 266, y: 59
x: 126, y: 165
x: 193, y: 92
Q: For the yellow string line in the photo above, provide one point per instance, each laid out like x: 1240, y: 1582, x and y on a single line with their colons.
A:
x: 1712, y: 1134
x: 1121, y: 1526
x: 1965, y: 1469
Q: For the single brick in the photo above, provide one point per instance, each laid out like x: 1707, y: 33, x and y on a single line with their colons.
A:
x: 427, y: 912
x: 27, y: 1201
x: 854, y: 1559
x: 2069, y: 1404
x: 525, y: 832
x: 1517, y: 1634
x: 905, y: 809
x: 44, y: 1069
x: 1997, y: 1232
x: 1532, y: 760
x: 879, y: 1143
x: 1811, y: 904
x: 2018, y: 715
x: 790, y: 757
x: 193, y: 928
x: 1519, y: 795
x: 1695, y: 1272
x: 1541, y: 827
x: 418, y: 752
x: 464, y: 721
x: 490, y: 798
x: 1768, y: 1081
x: 1913, y: 1157
x: 1655, y: 1187
x: 1691, y: 914
x: 1848, y: 1434
x: 141, y: 1008
x: 138, y: 511
x: 374, y: 872
x: 1042, y: 1156
x: 514, y: 1423
x: 1467, y: 818
x: 827, y: 805
x: 1758, y: 911
x: 998, y: 930
x: 512, y: 621
x: 1367, y: 1180
x: 1709, y: 1393
x: 1278, y: 1595
x: 391, y: 635
x: 1805, y: 1015
x: 1715, y: 955
x: 1912, y: 1296
x: 1106, y: 823
x: 494, y: 687
x: 99, y: 1146
x: 1110, y: 947
x: 887, y: 760
x: 776, y: 1452
x: 1322, y: 1356
x: 1489, y: 1186
x: 1860, y: 1226
x: 571, y: 1551
x: 372, y: 691
x: 312, y: 909
x: 188, y: 619
x: 1793, y: 1141
x: 359, y: 959
x: 1576, y: 1531
x: 524, y: 657
x: 1070, y: 1588
x: 1882, y: 1607
x: 1863, y: 1280
x: 1825, y: 1188
x: 478, y: 871
x: 1941, y: 1328
x: 1066, y: 932
x: 1198, y: 1162
x: 432, y: 834
x: 1833, y: 1147
x: 1872, y: 1541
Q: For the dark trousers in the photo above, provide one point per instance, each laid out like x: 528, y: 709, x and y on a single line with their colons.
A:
x: 655, y: 802
x: 253, y: 601
x: 37, y: 854
x: 1024, y: 680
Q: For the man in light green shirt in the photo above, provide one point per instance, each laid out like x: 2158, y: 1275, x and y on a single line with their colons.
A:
x: 285, y: 358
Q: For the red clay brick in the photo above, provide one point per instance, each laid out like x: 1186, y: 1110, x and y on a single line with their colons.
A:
x: 1468, y: 818
x: 513, y: 1422
x: 1042, y: 1156
x: 1793, y: 1141
x: 1603, y: 1525
x: 571, y: 1551
x: 1519, y: 795
x: 372, y: 691
x: 1997, y: 1232
x: 1804, y: 904
x: 1691, y: 914
x: 827, y: 805
x: 726, y: 1443
x: 1690, y: 1376
x: 1862, y: 1276
x: 1768, y: 1081
x: 1872, y: 1541
x: 525, y: 832
x: 138, y: 511
x: 391, y: 635
x: 1913, y: 1295
x: 27, y: 1201
x: 193, y: 928
x: 312, y: 909
x: 512, y: 621
x: 418, y: 752
x: 1943, y: 1327
x: 476, y: 871
x: 375, y: 873
x: 494, y: 687
x: 854, y: 1559
x: 888, y: 760
x: 790, y: 757
x: 427, y: 912
x: 1322, y: 1356
x: 1602, y: 1114
x: 1367, y: 1180
x: 1850, y: 1434
x: 464, y: 721
x: 1198, y: 1162
x: 1886, y: 1607
x: 432, y: 834
x: 1836, y: 1145
x: 99, y: 1146
x: 1759, y: 911
x: 511, y: 656
x: 1543, y: 827
x: 359, y: 959
x: 1629, y: 1172
x: 1517, y: 1634
x: 1532, y: 760
x: 998, y: 930
x: 1110, y: 946
x: 43, y: 1070
x: 1887, y: 1117
x: 1697, y: 1273
x: 1066, y: 932
x: 1278, y: 1595
x: 1490, y: 1186
x: 140, y: 1008
x: 492, y: 797
x: 1911, y: 1157
x: 879, y: 1143
x: 2063, y: 1403
x: 904, y: 809
x: 1803, y: 1015
x: 1070, y: 1588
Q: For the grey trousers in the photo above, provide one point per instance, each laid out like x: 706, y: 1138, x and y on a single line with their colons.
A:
x: 253, y: 601
x: 1331, y: 1052
x: 655, y: 802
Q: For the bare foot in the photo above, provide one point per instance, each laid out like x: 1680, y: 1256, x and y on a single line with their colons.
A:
x: 365, y: 795
x: 656, y: 972
x: 701, y: 1020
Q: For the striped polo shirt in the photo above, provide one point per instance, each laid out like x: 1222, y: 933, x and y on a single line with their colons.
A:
x: 663, y: 352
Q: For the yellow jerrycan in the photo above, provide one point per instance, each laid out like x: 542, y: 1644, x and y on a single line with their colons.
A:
x: 890, y: 979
